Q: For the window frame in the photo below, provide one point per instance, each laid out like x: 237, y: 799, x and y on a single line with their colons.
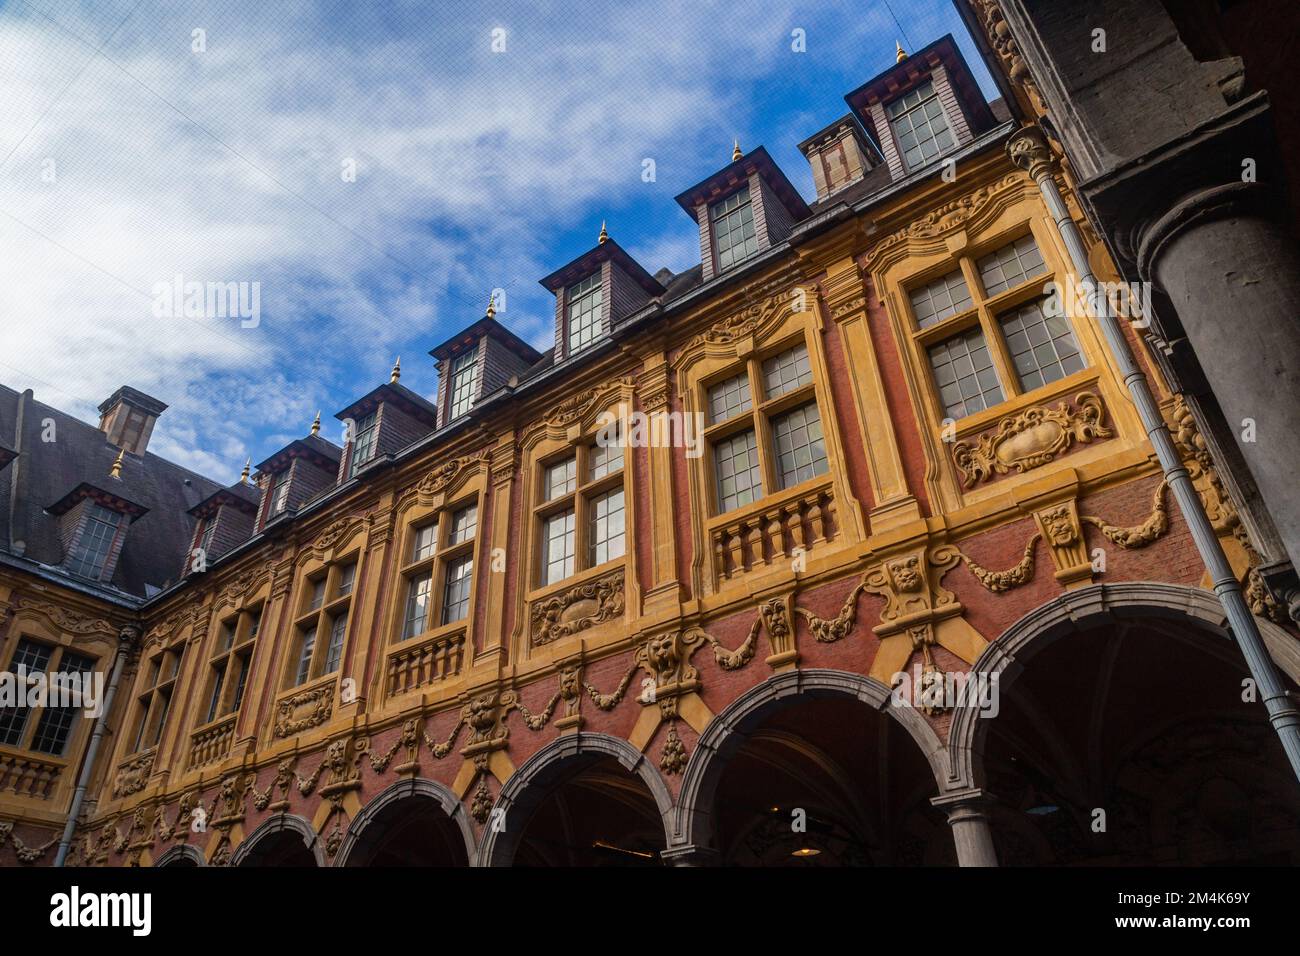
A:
x: 154, y: 698
x: 219, y: 686
x: 714, y: 218
x: 579, y: 499
x: 466, y: 362
x: 35, y: 716
x: 435, y: 563
x: 76, y: 556
x: 320, y: 618
x: 596, y: 292
x: 892, y: 121
x: 371, y: 445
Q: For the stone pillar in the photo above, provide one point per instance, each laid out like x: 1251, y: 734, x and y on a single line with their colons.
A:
x: 1232, y: 272
x: 690, y: 855
x: 968, y: 817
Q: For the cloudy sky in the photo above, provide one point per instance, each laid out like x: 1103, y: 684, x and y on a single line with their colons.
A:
x: 141, y: 140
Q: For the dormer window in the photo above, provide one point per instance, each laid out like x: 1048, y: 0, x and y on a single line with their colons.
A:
x: 91, y: 552
x: 464, y: 369
x: 205, y: 537
x: 280, y: 494
x: 584, y: 299
x: 919, y: 126
x: 365, y: 440
x: 733, y: 229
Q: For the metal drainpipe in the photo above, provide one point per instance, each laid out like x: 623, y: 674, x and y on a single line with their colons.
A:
x: 126, y: 639
x: 1028, y: 150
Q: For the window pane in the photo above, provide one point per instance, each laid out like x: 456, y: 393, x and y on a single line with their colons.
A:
x: 740, y: 480
x: 365, y: 440
x: 317, y: 593
x: 426, y: 540
x: 964, y: 374
x: 800, y: 447
x: 941, y: 299
x: 606, y: 459
x: 787, y: 371
x: 31, y: 657
x: 733, y: 229
x: 455, y: 591
x: 91, y: 553
x: 729, y: 398
x: 241, y: 680
x: 281, y: 499
x: 1010, y: 265
x: 417, y: 605
x: 464, y: 369
x: 214, y: 699
x: 463, y: 525
x: 584, y: 301
x: 1042, y: 347
x: 347, y: 578
x: 334, y: 653
x: 304, y: 654
x: 605, y: 534
x: 558, y: 545
x: 561, y: 478
x: 920, y: 126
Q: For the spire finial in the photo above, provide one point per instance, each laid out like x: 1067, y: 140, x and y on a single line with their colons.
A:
x: 397, y: 371
x: 315, y: 426
x: 116, y: 470
x: 248, y: 464
x: 901, y: 54
x: 492, y: 305
x: 735, y: 151
x: 604, y: 235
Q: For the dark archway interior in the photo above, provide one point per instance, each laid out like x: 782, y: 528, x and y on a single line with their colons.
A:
x: 414, y: 831
x: 180, y: 860
x: 284, y: 848
x: 828, y: 781
x: 1132, y: 745
x: 596, y: 813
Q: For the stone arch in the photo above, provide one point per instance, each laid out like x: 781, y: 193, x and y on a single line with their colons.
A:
x: 692, y: 826
x: 245, y: 855
x: 182, y: 855
x: 1080, y: 610
x: 403, y: 790
x: 532, y: 783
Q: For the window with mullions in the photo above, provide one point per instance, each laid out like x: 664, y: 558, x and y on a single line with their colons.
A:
x: 52, y: 728
x: 154, y: 698
x: 205, y: 537
x: 231, y: 660
x: 733, y: 229
x: 583, y: 302
x: 321, y: 624
x: 439, y: 562
x: 920, y: 126
x: 279, y: 491
x: 365, y: 440
x: 464, y: 369
x: 761, y: 449
x: 581, y: 514
x: 98, y: 535
x: 986, y: 331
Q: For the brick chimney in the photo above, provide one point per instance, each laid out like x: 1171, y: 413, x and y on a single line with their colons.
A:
x: 127, y: 418
x: 839, y: 156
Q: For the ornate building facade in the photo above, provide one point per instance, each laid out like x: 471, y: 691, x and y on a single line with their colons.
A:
x: 846, y: 546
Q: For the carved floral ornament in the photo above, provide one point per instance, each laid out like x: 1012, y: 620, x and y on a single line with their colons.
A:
x: 577, y: 409
x: 578, y: 608
x: 756, y: 320
x: 447, y: 475
x: 1031, y: 437
x: 238, y: 589
x: 68, y: 621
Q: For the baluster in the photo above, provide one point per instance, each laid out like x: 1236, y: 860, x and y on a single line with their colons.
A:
x: 720, y: 554
x: 829, y: 522
x: 775, y: 537
x: 814, y: 518
x: 735, y: 542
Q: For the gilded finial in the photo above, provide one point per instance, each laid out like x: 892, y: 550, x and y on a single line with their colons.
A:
x: 492, y: 307
x: 315, y: 426
x: 397, y: 371
x: 735, y: 151
x: 604, y: 235
x: 116, y: 470
x: 900, y: 55
x: 248, y: 464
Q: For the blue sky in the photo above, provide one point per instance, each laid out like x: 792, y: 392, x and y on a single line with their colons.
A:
x: 128, y: 156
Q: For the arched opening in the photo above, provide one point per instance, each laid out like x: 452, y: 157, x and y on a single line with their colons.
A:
x: 826, y: 780
x: 1135, y: 741
x: 180, y: 856
x: 285, y: 840
x: 412, y: 831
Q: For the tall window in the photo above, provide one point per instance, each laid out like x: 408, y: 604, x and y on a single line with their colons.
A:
x: 919, y: 126
x: 321, y: 626
x: 988, y: 332
x: 463, y: 371
x: 733, y: 229
x: 206, y: 535
x: 581, y: 513
x: 776, y: 444
x: 100, y: 532
x: 365, y: 440
x: 54, y: 721
x: 584, y: 301
x: 231, y: 660
x: 279, y: 491
x: 440, y: 563
x: 154, y: 700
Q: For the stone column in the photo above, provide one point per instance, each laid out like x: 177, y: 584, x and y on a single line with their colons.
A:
x: 968, y: 817
x: 1232, y: 272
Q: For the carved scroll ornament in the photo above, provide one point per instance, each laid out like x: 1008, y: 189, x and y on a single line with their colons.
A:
x: 578, y: 608
x: 1030, y: 438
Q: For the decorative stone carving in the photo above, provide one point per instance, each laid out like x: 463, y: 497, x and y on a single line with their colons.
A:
x: 830, y: 630
x: 443, y: 476
x: 576, y: 407
x: 69, y: 621
x: 775, y: 615
x: 673, y: 758
x: 132, y: 774
x: 1059, y: 526
x: 303, y: 711
x: 1014, y: 576
x: 480, y: 807
x: 578, y: 608
x: 1138, y: 536
x: 1030, y: 438
x: 1004, y: 44
x: 282, y: 781
x: 238, y: 589
x: 947, y: 217
x: 408, y: 738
